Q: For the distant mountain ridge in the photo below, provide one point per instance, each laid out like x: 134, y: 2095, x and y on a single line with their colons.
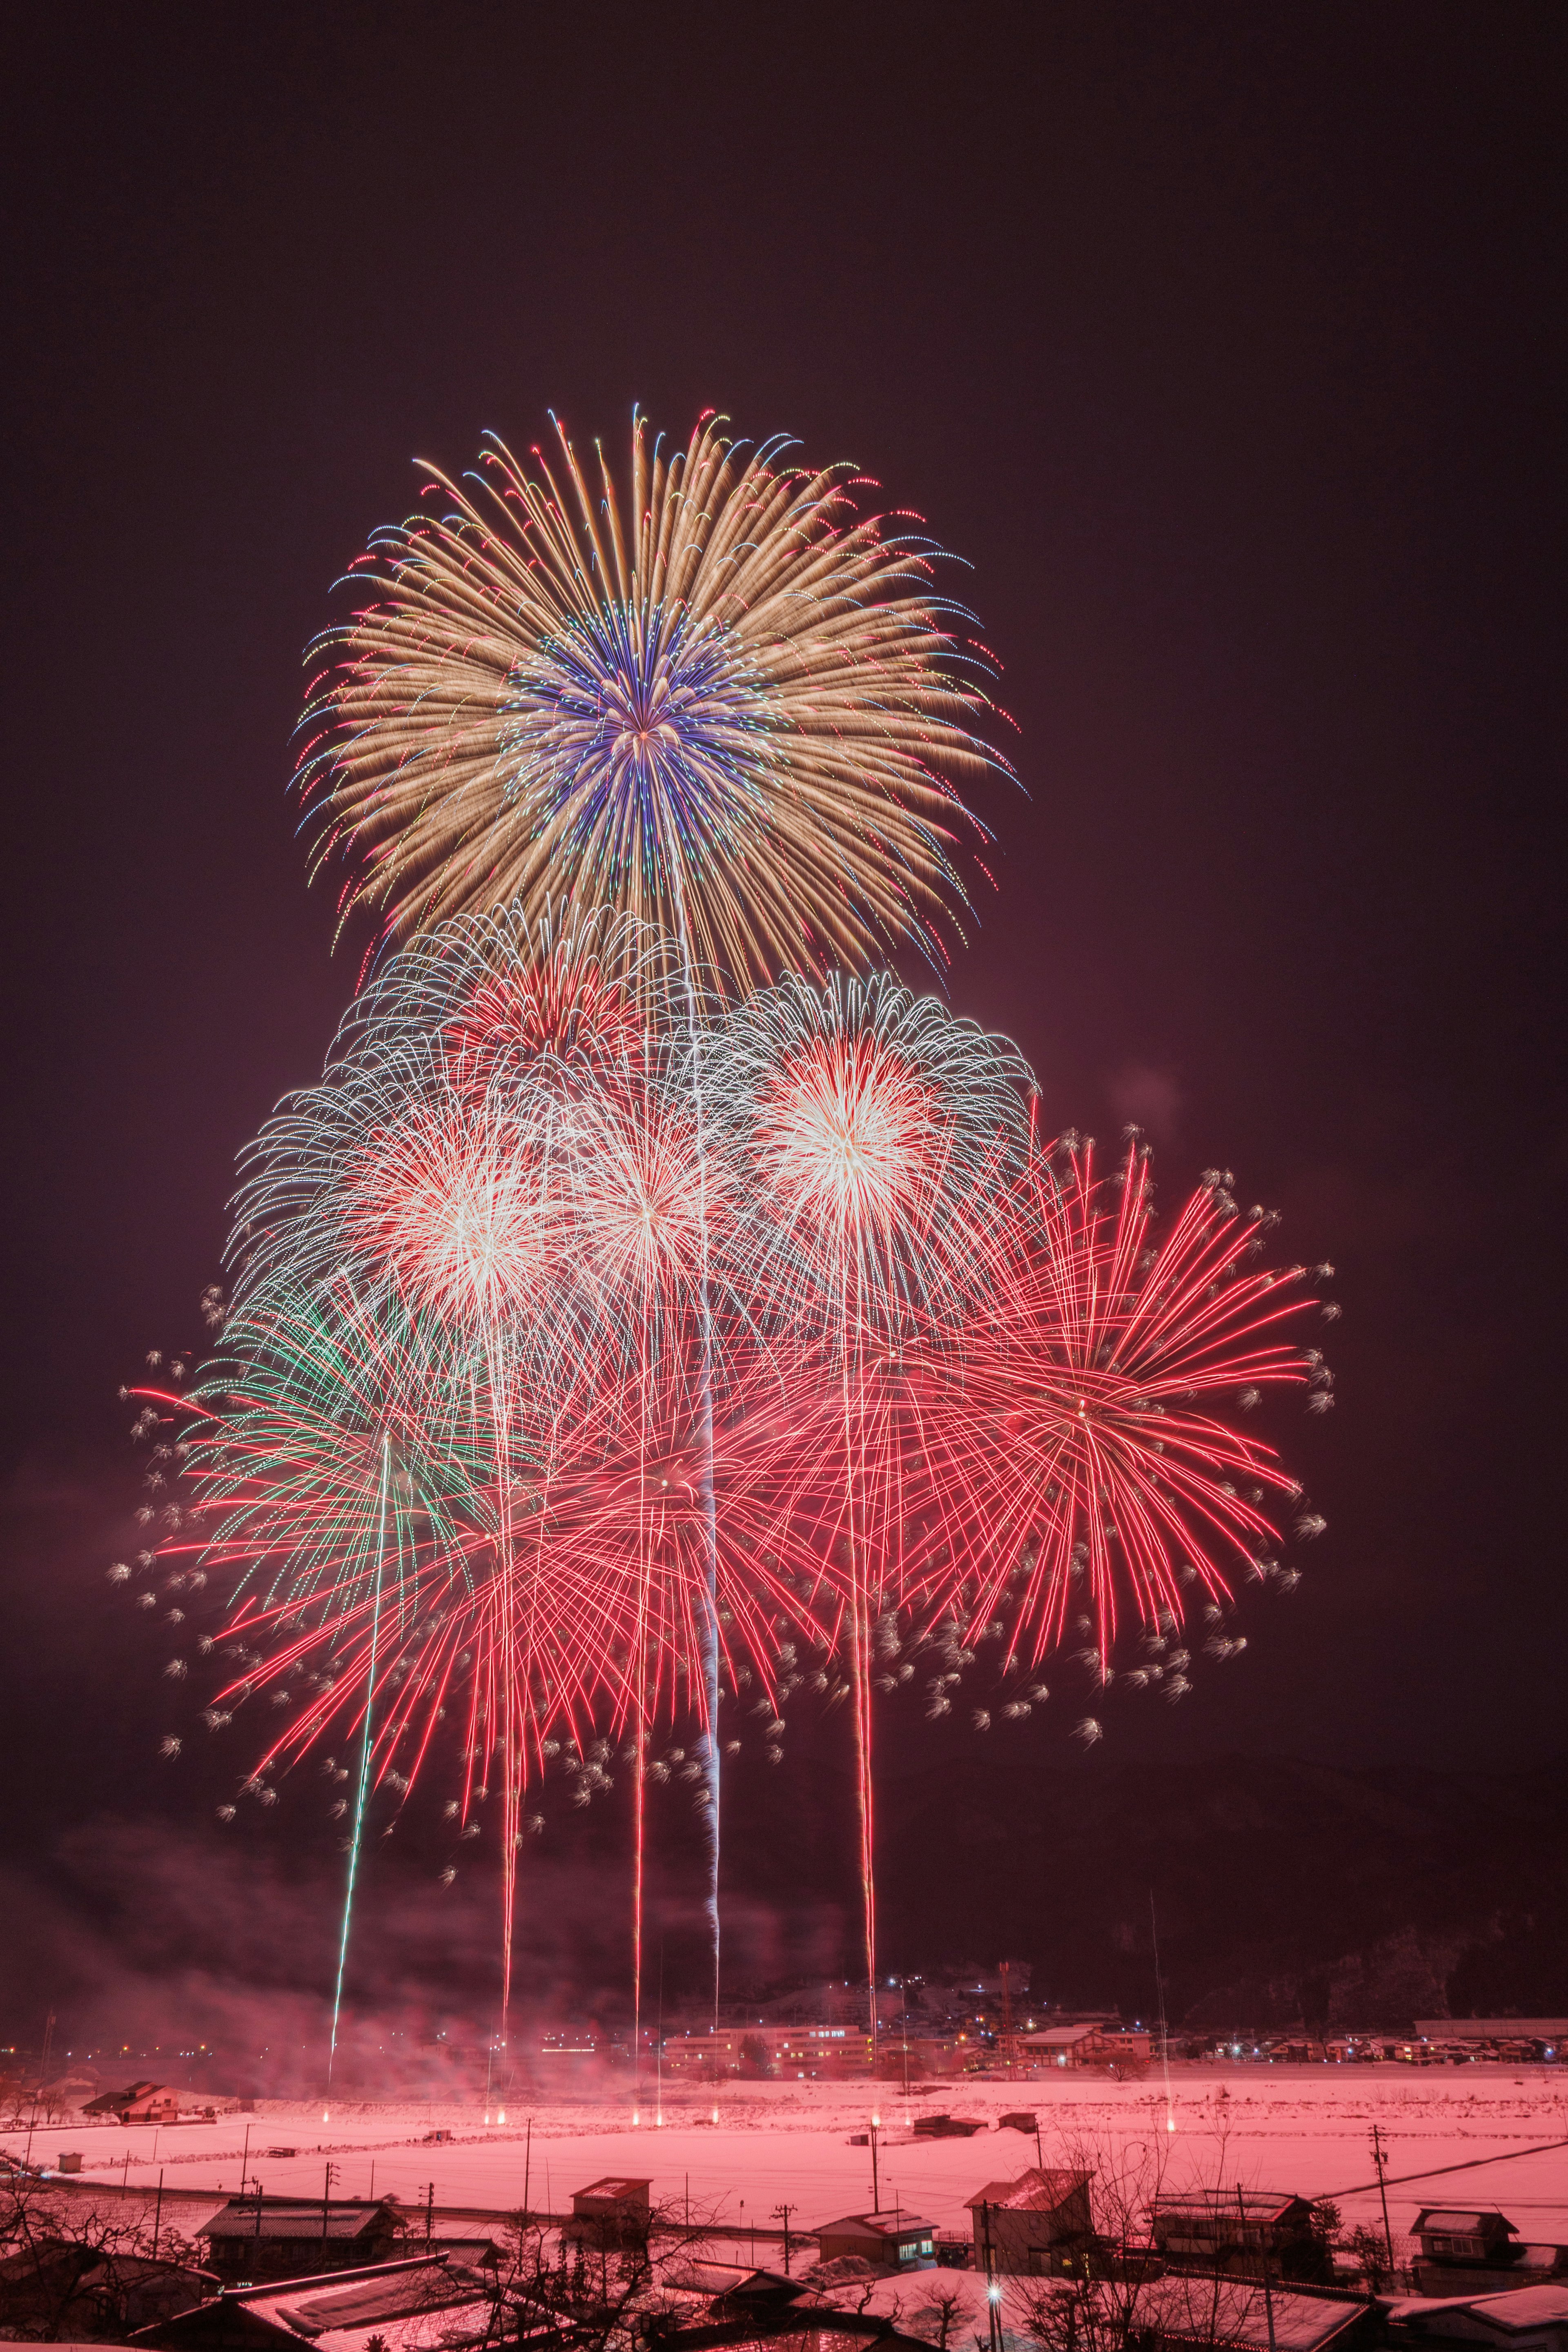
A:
x: 1282, y: 1890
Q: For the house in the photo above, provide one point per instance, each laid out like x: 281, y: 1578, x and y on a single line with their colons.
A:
x: 334, y: 2309
x: 1524, y: 2319
x: 1266, y: 2232
x: 761, y: 2297
x: 806, y: 2053
x: 948, y: 2126
x: 253, y: 2238
x: 53, y: 2287
x: 1465, y: 2251
x: 1090, y: 2043
x: 1484, y: 2037
x: 613, y: 2211
x: 886, y: 2241
x: 140, y: 2103
x: 1040, y: 2223
x: 1175, y: 2312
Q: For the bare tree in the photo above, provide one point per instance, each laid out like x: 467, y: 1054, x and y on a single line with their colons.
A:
x: 608, y: 2296
x: 72, y: 2264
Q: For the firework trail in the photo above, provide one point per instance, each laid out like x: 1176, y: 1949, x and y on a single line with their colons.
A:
x: 869, y: 1136
x: 598, y: 1327
x: 724, y: 703
x: 477, y: 1243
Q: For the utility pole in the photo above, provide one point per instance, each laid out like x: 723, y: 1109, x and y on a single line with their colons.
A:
x: 526, y: 2167
x: 993, y: 2290
x: 245, y: 2159
x: 1164, y: 2028
x: 781, y: 2213
x: 157, y: 2216
x: 326, y: 2196
x: 876, y: 2191
x: 1263, y: 2261
x: 1381, y: 2161
x: 429, y: 2212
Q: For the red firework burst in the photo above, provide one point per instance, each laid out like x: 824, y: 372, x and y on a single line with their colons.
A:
x: 1087, y: 1458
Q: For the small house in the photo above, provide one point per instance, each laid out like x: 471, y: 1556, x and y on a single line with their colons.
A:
x: 1089, y: 2044
x: 1174, y: 2313
x: 428, y: 2299
x: 613, y: 2211
x: 1467, y: 2251
x: 254, y: 2239
x: 890, y: 2242
x: 1253, y: 2232
x: 1523, y: 2319
x: 139, y: 2103
x: 1038, y: 2223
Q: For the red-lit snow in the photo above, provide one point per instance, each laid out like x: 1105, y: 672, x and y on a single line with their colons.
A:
x: 1305, y: 2129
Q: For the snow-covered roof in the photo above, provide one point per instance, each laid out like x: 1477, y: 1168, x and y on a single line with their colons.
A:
x: 1233, y: 2311
x: 325, y: 2309
x: 1032, y: 2191
x: 1227, y: 2204
x: 239, y: 2218
x: 1510, y: 2309
x: 877, y: 2225
x: 1460, y: 2223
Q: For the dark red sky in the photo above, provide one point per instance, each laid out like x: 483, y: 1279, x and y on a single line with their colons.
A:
x: 1220, y: 340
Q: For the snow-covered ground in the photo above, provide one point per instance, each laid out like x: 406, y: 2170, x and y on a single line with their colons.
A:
x: 1306, y: 2129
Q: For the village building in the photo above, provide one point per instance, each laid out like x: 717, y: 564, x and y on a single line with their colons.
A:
x: 1256, y: 2231
x: 808, y: 2053
x: 140, y: 2103
x: 1521, y: 2319
x: 1174, y: 2312
x: 1039, y: 2223
x: 886, y: 2241
x: 254, y: 2239
x: 1513, y: 2038
x: 1086, y: 2044
x: 615, y: 2211
x: 413, y: 2306
x: 60, y: 2289
x: 1466, y: 2251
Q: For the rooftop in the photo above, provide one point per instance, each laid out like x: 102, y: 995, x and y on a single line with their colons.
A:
x: 412, y: 2305
x: 395, y: 2292
x: 243, y: 2219
x: 1464, y: 2223
x: 1227, y: 2311
x: 1513, y: 2308
x: 1032, y: 2191
x: 1228, y: 2204
x: 884, y: 2224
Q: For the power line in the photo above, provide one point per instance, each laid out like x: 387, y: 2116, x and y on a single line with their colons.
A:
x: 1398, y: 2179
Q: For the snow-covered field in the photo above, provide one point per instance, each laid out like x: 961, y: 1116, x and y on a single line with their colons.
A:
x: 1306, y: 2129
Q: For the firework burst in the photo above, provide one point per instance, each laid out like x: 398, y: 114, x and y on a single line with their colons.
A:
x: 716, y: 697
x: 869, y: 1136
x: 1092, y: 1464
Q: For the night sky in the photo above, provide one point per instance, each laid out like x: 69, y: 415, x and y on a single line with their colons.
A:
x: 1219, y: 340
